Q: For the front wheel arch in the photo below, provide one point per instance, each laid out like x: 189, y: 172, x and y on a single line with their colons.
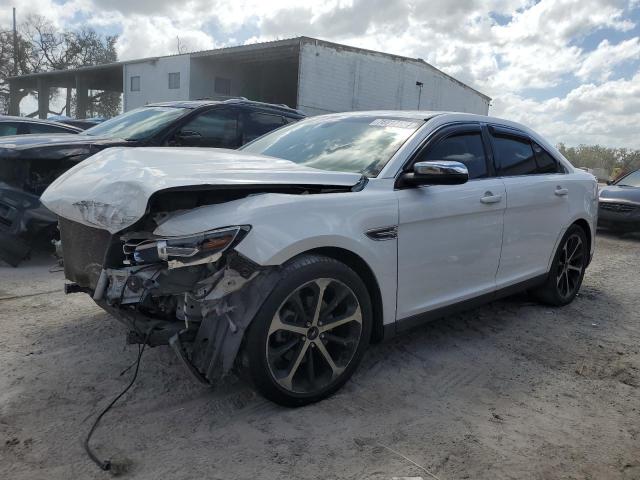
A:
x: 364, y: 271
x: 579, y: 222
x: 297, y: 273
x: 582, y: 223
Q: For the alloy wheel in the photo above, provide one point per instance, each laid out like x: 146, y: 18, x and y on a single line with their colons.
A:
x: 570, y: 266
x: 314, y: 335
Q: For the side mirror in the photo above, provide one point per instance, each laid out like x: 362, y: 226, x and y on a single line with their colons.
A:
x: 437, y: 172
x: 609, y: 182
x: 188, y: 137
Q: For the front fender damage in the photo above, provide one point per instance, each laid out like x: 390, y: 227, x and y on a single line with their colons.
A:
x: 226, y: 314
x: 202, y: 312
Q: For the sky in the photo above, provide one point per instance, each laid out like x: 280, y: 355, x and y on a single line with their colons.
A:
x: 569, y: 69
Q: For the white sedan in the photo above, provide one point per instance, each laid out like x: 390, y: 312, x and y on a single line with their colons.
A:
x: 289, y: 257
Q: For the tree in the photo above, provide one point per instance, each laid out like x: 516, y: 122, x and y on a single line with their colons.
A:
x: 7, y: 65
x: 612, y: 160
x: 43, y: 48
x: 96, y: 50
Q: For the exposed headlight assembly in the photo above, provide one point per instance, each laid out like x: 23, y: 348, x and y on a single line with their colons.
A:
x: 205, y: 247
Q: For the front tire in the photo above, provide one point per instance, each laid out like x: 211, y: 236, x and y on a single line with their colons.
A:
x: 311, y: 332
x: 567, y: 269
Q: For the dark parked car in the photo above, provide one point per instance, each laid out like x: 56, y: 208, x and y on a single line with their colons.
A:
x: 28, y: 164
x: 81, y: 123
x: 619, y: 205
x: 25, y: 125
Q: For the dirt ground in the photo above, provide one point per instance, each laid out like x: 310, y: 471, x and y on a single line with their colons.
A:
x: 513, y: 390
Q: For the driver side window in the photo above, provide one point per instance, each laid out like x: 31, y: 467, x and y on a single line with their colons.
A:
x: 215, y: 128
x: 466, y: 148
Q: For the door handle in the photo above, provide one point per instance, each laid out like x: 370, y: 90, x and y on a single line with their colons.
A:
x: 561, y: 191
x: 491, y: 198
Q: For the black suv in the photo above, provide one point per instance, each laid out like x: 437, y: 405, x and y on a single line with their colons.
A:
x: 29, y: 163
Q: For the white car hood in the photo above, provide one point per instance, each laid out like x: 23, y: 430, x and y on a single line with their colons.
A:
x: 111, y: 190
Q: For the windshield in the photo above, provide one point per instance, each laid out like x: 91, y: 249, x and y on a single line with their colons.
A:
x: 137, y: 124
x: 358, y: 144
x: 631, y: 180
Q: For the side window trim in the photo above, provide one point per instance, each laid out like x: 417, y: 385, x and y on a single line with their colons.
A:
x: 448, y: 130
x: 559, y: 167
x: 516, y: 134
x: 499, y: 130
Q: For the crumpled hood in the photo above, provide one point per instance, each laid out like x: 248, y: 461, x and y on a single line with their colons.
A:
x: 111, y: 189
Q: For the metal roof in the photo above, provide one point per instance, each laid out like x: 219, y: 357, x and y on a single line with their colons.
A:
x: 192, y: 104
x: 250, y: 52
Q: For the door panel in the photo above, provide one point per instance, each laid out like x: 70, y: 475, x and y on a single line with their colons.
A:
x: 537, y: 210
x: 449, y: 242
x: 537, y: 205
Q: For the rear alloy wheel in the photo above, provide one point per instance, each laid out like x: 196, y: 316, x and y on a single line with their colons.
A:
x: 315, y: 334
x: 567, y: 270
x: 570, y: 266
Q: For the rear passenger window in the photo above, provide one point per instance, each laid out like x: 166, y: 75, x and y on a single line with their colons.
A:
x: 43, y: 128
x: 8, y: 128
x: 514, y: 156
x: 464, y: 148
x: 546, y: 163
x: 257, y: 124
x: 214, y: 128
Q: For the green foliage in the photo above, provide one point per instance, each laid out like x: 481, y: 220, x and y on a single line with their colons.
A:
x: 612, y: 160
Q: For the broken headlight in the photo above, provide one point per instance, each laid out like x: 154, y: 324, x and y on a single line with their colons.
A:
x: 206, y: 247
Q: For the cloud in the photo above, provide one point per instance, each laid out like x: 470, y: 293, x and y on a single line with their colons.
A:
x: 607, y: 114
x: 520, y: 52
x: 144, y: 36
x: 601, y: 62
x: 349, y: 20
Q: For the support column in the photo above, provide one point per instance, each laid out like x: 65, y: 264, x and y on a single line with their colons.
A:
x: 82, y: 97
x: 67, y: 104
x: 43, y: 98
x: 14, y: 100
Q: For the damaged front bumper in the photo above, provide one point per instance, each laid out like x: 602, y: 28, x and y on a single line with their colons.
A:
x: 202, y: 311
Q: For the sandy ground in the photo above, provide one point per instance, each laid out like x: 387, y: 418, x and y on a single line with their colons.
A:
x: 513, y: 390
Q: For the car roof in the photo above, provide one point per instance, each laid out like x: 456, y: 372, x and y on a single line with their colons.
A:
x: 427, y: 115
x: 194, y: 104
x: 441, y: 116
x: 10, y: 118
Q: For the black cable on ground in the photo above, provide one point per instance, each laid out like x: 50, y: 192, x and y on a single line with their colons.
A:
x: 106, y: 464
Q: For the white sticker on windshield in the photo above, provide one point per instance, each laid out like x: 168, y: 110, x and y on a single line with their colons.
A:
x: 387, y: 122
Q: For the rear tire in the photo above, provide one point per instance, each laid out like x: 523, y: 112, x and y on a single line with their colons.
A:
x: 567, y: 269
x: 311, y: 332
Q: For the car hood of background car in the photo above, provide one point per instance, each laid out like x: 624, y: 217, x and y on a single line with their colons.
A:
x: 616, y: 193
x: 111, y: 189
x: 25, y: 142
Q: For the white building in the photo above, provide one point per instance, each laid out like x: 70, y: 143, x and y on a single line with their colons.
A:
x: 312, y: 75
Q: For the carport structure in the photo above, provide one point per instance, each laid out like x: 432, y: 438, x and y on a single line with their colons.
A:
x: 107, y: 77
x: 266, y: 72
x: 312, y: 75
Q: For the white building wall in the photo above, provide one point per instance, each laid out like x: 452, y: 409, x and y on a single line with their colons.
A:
x: 154, y: 81
x: 333, y: 79
x: 203, y: 76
